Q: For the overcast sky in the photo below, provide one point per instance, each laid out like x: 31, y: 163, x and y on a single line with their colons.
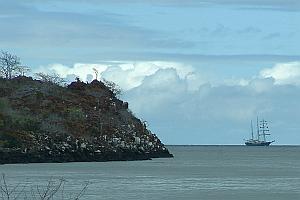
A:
x: 198, y: 71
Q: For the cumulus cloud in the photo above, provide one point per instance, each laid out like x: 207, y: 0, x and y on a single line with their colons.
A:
x: 127, y: 74
x: 158, y: 90
x: 81, y: 70
x: 215, y: 113
x: 132, y: 74
x: 261, y: 85
x: 283, y: 73
x: 185, y: 107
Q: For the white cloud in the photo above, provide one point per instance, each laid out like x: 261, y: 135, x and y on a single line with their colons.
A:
x: 127, y: 74
x: 214, y: 113
x: 131, y: 74
x: 158, y: 90
x: 261, y: 85
x: 178, y: 101
x: 81, y: 70
x: 283, y: 73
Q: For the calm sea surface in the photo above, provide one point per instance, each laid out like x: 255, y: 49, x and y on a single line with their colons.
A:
x: 196, y: 172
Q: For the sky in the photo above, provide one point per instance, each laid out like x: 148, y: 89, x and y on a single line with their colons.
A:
x: 197, y: 71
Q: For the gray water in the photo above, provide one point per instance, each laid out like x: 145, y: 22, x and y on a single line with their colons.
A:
x: 196, y: 172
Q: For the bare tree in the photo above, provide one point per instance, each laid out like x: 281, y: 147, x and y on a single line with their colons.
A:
x: 116, y: 90
x: 51, y: 190
x: 9, y: 64
x: 23, y: 70
x: 10, y: 192
x: 50, y: 78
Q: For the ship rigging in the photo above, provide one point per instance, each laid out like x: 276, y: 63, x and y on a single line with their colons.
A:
x: 262, y: 132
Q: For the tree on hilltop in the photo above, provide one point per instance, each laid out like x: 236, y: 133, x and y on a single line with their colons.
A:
x: 9, y: 64
x: 50, y: 78
x: 23, y: 70
x: 115, y: 88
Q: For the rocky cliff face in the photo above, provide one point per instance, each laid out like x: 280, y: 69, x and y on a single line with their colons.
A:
x: 44, y: 122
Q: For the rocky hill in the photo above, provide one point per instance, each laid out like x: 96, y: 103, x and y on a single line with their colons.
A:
x: 45, y: 122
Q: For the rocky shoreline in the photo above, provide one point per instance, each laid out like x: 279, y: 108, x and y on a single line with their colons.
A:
x: 16, y: 156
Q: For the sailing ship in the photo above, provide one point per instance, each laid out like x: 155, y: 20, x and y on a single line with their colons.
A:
x: 262, y: 132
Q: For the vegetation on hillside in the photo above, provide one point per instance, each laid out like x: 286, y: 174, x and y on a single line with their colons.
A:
x: 42, y: 121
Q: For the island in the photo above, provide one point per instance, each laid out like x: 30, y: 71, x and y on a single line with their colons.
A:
x: 45, y: 122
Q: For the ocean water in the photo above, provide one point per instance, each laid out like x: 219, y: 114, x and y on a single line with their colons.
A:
x: 196, y: 172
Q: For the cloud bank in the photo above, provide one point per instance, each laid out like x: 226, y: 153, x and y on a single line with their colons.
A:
x: 284, y: 73
x: 185, y: 107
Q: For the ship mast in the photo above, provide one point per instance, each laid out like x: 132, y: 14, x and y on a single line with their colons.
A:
x: 259, y: 139
x: 257, y: 128
x: 252, y: 137
x: 264, y: 128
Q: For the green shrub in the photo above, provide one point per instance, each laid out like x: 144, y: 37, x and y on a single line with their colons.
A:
x: 10, y: 139
x: 1, y: 123
x: 22, y: 122
x: 3, y: 143
x: 26, y: 123
x: 4, y: 104
x: 14, y: 139
x: 52, y: 123
x: 76, y: 114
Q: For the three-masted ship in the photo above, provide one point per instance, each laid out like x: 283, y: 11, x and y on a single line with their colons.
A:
x: 262, y: 132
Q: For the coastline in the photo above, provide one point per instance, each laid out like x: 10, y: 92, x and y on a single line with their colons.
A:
x: 19, y: 157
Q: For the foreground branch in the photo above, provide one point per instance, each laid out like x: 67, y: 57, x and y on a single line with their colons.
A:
x: 53, y: 189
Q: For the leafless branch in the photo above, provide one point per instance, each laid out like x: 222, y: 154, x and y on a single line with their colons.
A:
x: 81, y: 193
x: 9, y: 64
x: 117, y: 91
x: 50, y: 78
x: 23, y: 70
x: 7, y: 193
x: 40, y: 192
